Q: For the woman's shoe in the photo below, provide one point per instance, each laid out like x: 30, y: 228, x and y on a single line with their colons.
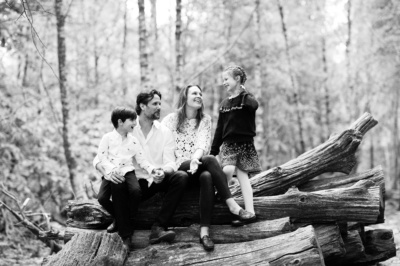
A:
x: 245, y: 217
x: 207, y: 243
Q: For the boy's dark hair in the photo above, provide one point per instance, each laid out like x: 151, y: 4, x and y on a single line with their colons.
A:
x: 145, y: 98
x: 122, y: 113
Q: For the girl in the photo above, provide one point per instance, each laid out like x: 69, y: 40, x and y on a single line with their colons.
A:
x: 234, y: 134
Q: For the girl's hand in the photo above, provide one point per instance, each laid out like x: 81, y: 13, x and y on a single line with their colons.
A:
x: 194, y: 165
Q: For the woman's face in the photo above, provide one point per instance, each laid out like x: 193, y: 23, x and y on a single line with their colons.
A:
x: 194, y: 98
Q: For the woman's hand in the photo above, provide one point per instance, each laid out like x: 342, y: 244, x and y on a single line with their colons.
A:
x: 194, y: 165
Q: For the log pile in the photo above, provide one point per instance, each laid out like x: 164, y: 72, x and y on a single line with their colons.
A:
x: 302, y: 220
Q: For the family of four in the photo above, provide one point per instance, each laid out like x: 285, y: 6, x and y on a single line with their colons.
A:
x: 177, y: 153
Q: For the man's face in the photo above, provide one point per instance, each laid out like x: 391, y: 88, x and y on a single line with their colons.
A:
x: 153, y: 108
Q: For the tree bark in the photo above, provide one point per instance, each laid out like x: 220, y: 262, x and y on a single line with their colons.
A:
x: 143, y: 58
x: 337, y: 154
x: 61, y: 52
x: 302, y: 247
x: 359, y: 203
x: 88, y: 248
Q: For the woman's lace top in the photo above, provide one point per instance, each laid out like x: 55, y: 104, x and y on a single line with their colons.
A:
x: 190, y: 138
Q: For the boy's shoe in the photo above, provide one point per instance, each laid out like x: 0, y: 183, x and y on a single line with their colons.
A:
x: 245, y: 217
x: 159, y: 234
x: 112, y: 228
x: 207, y: 243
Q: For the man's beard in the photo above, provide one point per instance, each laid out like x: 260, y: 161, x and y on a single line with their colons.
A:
x: 156, y: 115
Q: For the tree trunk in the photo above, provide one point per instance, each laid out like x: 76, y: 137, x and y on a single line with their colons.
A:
x: 61, y: 52
x: 295, y: 87
x: 302, y: 247
x: 124, y: 82
x: 178, y: 50
x: 154, y: 39
x: 88, y: 248
x: 335, y: 155
x: 144, y: 63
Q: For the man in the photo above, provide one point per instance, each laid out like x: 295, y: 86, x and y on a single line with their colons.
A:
x: 158, y: 146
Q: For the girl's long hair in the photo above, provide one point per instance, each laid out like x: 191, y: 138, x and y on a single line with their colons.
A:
x: 181, y: 108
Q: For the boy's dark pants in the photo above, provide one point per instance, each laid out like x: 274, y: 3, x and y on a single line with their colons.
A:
x: 127, y: 196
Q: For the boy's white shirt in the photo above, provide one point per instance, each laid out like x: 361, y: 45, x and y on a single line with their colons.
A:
x: 117, y: 153
x: 158, y: 149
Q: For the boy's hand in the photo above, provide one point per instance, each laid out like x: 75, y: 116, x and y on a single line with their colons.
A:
x: 194, y: 165
x: 116, y: 176
x: 158, y: 175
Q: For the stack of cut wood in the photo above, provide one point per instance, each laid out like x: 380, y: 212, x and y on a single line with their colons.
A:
x: 301, y: 220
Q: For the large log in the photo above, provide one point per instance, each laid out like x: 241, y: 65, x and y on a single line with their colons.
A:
x: 88, y: 248
x: 219, y: 233
x: 359, y: 203
x: 302, y: 249
x: 376, y: 175
x: 337, y: 154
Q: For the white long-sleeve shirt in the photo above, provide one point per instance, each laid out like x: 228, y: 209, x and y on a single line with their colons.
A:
x: 118, y: 152
x: 158, y: 148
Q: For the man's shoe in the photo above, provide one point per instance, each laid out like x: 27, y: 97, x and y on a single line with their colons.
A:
x: 127, y: 242
x: 207, y: 243
x: 112, y: 228
x: 245, y: 217
x: 159, y: 234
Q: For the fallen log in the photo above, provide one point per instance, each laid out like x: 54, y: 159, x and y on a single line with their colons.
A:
x: 354, y: 249
x: 376, y: 175
x: 302, y: 249
x: 359, y: 203
x: 330, y: 241
x: 88, y: 248
x: 219, y: 233
x: 379, y: 246
x: 337, y: 154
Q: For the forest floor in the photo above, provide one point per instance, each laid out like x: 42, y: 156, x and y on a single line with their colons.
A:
x: 28, y: 251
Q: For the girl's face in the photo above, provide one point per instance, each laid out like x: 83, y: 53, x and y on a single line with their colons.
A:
x: 229, y: 82
x: 194, y: 98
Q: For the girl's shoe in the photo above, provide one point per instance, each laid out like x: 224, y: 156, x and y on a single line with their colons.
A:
x: 245, y: 217
x: 207, y: 243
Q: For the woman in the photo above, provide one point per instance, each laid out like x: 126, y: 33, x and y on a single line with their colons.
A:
x: 192, y: 132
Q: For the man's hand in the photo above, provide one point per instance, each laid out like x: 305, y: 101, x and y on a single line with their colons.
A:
x: 158, y: 175
x: 194, y: 165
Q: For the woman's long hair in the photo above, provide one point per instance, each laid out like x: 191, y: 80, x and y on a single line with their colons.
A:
x: 182, y: 108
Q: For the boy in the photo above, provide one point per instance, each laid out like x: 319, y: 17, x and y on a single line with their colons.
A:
x: 115, y: 153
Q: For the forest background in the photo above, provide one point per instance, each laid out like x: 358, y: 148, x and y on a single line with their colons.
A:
x: 314, y: 65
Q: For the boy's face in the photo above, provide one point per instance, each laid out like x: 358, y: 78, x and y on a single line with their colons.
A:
x: 153, y: 108
x: 127, y: 126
